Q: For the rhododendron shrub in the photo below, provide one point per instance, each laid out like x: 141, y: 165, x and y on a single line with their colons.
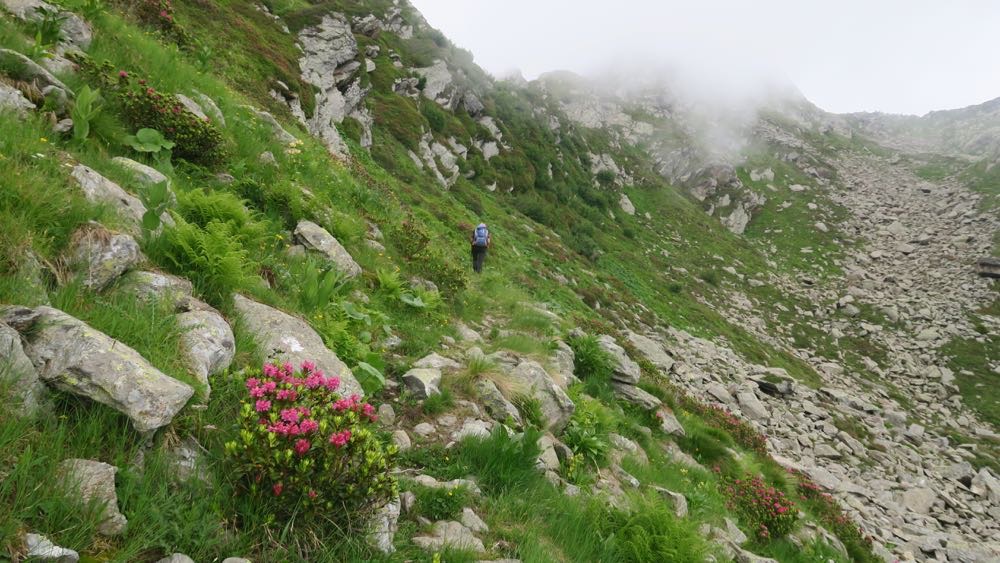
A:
x: 309, y: 448
x: 767, y: 511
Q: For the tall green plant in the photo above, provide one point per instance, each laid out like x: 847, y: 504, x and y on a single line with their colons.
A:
x: 86, y: 108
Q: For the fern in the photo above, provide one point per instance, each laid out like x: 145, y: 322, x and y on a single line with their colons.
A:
x: 211, y: 257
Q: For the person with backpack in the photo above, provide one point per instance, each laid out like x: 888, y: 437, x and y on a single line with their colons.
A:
x: 481, y: 241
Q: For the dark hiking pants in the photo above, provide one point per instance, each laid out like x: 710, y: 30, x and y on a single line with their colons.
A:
x: 478, y: 256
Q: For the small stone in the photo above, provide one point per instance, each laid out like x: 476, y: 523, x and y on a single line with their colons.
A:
x: 473, y: 522
x: 424, y: 429
x: 423, y: 382
x: 386, y: 414
x: 401, y: 439
x: 39, y: 548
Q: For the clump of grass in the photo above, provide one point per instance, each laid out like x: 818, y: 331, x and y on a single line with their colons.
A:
x: 438, y: 403
x: 592, y: 362
x: 502, y: 462
x: 530, y: 409
x: 440, y: 503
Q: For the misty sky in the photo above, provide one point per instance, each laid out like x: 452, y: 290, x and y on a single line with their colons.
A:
x: 895, y: 56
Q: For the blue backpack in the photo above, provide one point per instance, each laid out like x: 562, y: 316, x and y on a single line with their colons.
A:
x: 481, y: 237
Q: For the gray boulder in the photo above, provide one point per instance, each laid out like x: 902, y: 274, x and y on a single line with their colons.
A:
x: 15, y: 366
x: 328, y: 52
x: 186, y: 459
x: 676, y: 500
x: 437, y: 361
x: 207, y: 341
x: 752, y: 407
x: 11, y: 99
x: 919, y: 500
x: 635, y: 395
x: 192, y: 106
x: 176, y: 558
x: 450, y: 534
x: 625, y: 370
x: 316, y: 238
x: 40, y: 548
x: 21, y: 67
x: 73, y: 357
x: 283, y: 337
x: 384, y: 526
x: 423, y: 382
x: 562, y: 364
x: 100, y: 256
x: 496, y: 404
x: 172, y: 290
x: 652, y: 350
x: 98, y: 189
x: 143, y: 174
x: 280, y: 133
x: 76, y: 32
x: 556, y: 406
x: 669, y: 423
x: 94, y: 481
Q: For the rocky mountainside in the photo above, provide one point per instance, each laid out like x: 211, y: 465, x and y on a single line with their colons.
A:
x: 704, y: 333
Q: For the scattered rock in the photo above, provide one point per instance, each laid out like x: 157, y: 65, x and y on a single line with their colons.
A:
x: 625, y: 370
x: 652, y: 350
x: 39, y: 548
x: 316, y: 238
x: 101, y: 256
x: 448, y: 533
x: 143, y: 174
x: 423, y: 382
x: 496, y: 404
x: 94, y: 481
x: 385, y: 524
x: 438, y: 362
x: 556, y: 406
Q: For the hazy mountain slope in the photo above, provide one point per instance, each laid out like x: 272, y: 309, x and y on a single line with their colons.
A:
x: 678, y: 300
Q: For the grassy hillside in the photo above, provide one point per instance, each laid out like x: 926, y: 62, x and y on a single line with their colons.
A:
x: 562, y: 245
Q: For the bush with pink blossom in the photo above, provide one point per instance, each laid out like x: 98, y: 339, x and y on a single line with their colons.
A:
x: 766, y: 510
x: 309, y: 448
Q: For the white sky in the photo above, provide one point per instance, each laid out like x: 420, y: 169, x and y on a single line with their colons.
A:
x: 895, y: 56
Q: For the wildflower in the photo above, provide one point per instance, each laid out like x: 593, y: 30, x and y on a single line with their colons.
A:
x: 302, y: 446
x: 122, y: 74
x: 341, y: 438
x: 263, y: 406
x: 277, y: 488
x: 313, y: 494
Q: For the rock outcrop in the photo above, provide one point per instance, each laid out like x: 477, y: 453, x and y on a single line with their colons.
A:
x: 316, y: 238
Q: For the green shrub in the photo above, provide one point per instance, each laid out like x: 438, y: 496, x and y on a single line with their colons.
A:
x: 309, y: 450
x: 211, y: 257
x: 197, y: 140
x: 440, y: 503
x: 764, y: 509
x: 592, y: 362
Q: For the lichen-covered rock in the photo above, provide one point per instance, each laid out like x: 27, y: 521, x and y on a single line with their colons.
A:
x: 98, y: 189
x: 73, y: 357
x: 282, y: 337
x: 207, y: 341
x: 556, y: 406
x: 625, y: 369
x: 94, y: 481
x: 143, y: 174
x: 156, y: 286
x: 16, y: 367
x: 450, y: 534
x: 100, y: 256
x: 385, y: 524
x: 316, y: 238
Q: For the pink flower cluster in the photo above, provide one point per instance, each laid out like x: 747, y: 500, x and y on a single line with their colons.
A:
x: 340, y: 439
x: 763, y: 507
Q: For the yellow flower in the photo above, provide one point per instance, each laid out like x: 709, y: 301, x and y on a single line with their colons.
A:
x: 43, y: 139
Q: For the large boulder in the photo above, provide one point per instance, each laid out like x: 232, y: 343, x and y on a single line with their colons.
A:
x: 143, y: 174
x: 98, y: 189
x: 101, y: 256
x: 652, y: 350
x: 625, y: 369
x: 282, y: 337
x: 22, y: 68
x: 636, y: 396
x: 76, y: 32
x: 562, y: 365
x: 314, y: 237
x: 16, y: 368
x: 94, y: 481
x: 207, y: 341
x: 535, y: 382
x: 75, y: 358
x: 172, y: 290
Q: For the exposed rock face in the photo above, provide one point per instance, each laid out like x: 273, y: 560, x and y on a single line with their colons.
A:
x: 652, y: 350
x: 94, y: 481
x: 447, y: 533
x: 314, y: 237
x: 440, y: 85
x: 101, y: 256
x: 73, y: 357
x: 496, y: 404
x: 556, y: 406
x: 283, y: 337
x: 328, y: 64
x: 17, y: 367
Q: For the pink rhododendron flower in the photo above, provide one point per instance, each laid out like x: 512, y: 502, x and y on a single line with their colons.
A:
x: 278, y: 487
x: 263, y: 406
x: 122, y: 74
x: 341, y: 438
x: 302, y: 446
x: 308, y: 426
x: 308, y: 366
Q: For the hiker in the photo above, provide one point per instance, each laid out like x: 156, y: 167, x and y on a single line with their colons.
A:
x: 481, y: 241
